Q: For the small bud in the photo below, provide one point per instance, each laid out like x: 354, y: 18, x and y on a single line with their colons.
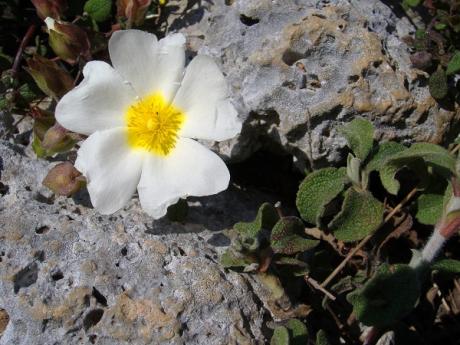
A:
x: 133, y: 10
x: 57, y: 139
x: 68, y: 41
x: 50, y: 8
x: 50, y: 78
x: 64, y: 179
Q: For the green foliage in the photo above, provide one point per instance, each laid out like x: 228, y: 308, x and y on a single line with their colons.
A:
x: 411, y: 3
x: 249, y: 231
x: 360, y: 137
x: 447, y: 267
x: 438, y: 84
x: 387, y: 297
x: 99, y: 10
x: 322, y: 338
x: 317, y: 190
x: 231, y: 259
x: 298, y: 332
x: 286, y: 237
x: 383, y: 152
x: 429, y: 208
x: 453, y: 66
x: 433, y: 155
x: 280, y: 336
x: 361, y: 214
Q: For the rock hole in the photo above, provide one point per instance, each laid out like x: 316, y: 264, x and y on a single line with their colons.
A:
x: 3, y: 189
x: 124, y: 251
x: 4, y: 320
x: 27, y: 188
x: 100, y: 298
x: 42, y: 229
x: 43, y: 199
x: 92, y: 318
x: 290, y: 57
x: 248, y: 21
x: 92, y: 338
x: 377, y: 63
x: 353, y: 79
x: 25, y: 277
x: 57, y: 275
x: 39, y: 255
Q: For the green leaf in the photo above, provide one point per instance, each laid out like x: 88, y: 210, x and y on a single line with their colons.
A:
x: 360, y: 136
x: 429, y: 208
x: 286, y: 239
x: 383, y: 153
x: 317, y: 190
x: 454, y: 64
x: 280, y: 336
x: 448, y: 267
x: 231, y: 259
x: 361, y: 214
x: 433, y: 155
x: 412, y: 3
x: 387, y: 297
x: 438, y: 84
x: 99, y: 10
x: 298, y: 332
x: 249, y: 231
x: 322, y: 338
x: 37, y: 147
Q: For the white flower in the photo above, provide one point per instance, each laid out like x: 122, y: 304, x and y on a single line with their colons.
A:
x: 141, y: 115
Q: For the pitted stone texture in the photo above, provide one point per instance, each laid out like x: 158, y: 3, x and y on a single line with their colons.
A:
x: 299, y: 69
x: 71, y: 276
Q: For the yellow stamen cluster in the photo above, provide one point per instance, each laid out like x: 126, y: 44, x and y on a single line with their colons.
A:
x: 153, y: 124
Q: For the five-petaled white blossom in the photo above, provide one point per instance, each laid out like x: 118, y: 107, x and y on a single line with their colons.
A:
x: 142, y: 115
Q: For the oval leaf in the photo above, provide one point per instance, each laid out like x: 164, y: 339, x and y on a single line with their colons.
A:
x: 99, y: 10
x: 361, y: 214
x: 280, y: 336
x: 360, y: 137
x: 429, y: 208
x: 286, y: 239
x: 317, y: 190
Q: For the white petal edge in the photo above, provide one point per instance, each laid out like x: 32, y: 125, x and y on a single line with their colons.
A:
x: 149, y: 65
x: 111, y: 167
x: 203, y: 96
x: 97, y: 103
x: 191, y: 169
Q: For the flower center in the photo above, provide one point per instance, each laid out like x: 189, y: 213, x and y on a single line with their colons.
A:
x: 153, y: 124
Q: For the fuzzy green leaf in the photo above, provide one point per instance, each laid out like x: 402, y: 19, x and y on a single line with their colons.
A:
x: 360, y: 137
x: 317, y: 190
x: 298, y: 332
x: 429, y: 208
x: 99, y: 10
x: 280, y: 336
x: 447, y: 267
x: 454, y: 64
x: 411, y: 3
x: 286, y: 237
x: 266, y: 218
x: 432, y: 154
x: 231, y: 259
x: 361, y: 214
x: 438, y: 84
x: 387, y: 297
x: 321, y: 338
x: 383, y: 153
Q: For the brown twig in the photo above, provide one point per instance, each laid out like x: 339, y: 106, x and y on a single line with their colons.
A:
x: 329, y: 238
x: 25, y: 40
x: 317, y: 286
x: 367, y: 238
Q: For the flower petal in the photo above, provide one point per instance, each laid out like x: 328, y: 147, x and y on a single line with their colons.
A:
x: 203, y: 96
x: 148, y: 64
x: 97, y: 103
x: 191, y: 169
x: 111, y: 168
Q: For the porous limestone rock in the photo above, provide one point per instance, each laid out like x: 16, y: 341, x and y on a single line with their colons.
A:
x: 299, y: 69
x: 71, y: 276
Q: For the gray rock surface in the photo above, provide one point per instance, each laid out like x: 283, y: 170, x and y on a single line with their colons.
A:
x: 300, y: 68
x: 71, y: 276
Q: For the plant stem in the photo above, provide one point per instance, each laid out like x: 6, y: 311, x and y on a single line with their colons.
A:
x: 25, y: 40
x: 367, y: 238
